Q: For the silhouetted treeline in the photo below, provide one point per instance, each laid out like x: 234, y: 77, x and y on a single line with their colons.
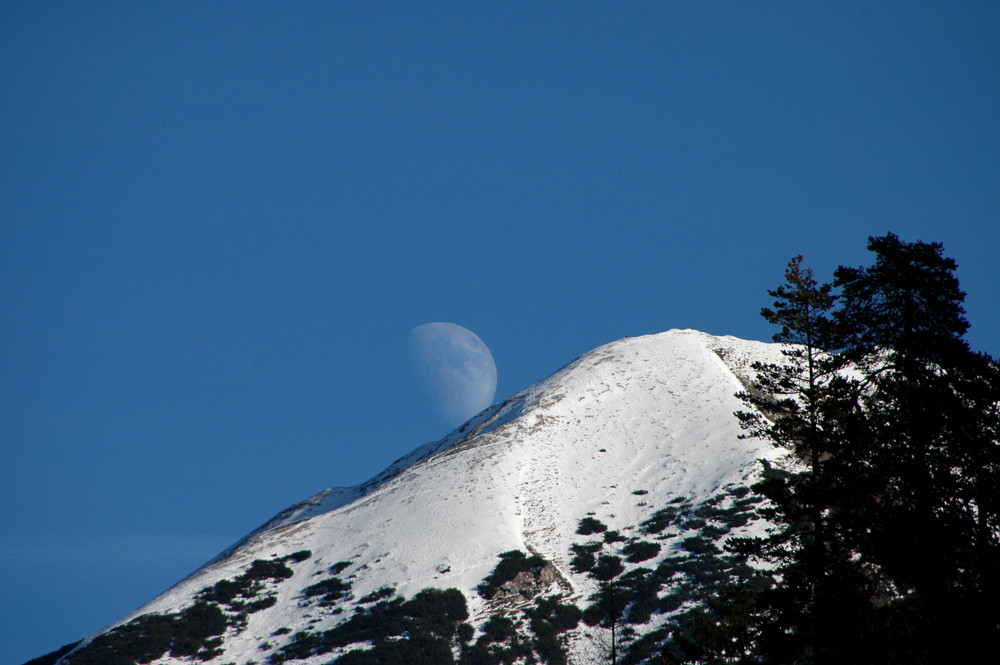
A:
x: 886, y: 548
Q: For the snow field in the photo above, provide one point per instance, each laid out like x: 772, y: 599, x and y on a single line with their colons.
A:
x: 652, y: 415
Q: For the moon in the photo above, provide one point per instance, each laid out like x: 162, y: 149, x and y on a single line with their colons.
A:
x: 455, y: 368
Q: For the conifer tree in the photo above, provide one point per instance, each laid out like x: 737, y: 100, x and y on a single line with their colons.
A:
x: 725, y: 632
x: 803, y: 405
x: 793, y: 394
x: 914, y: 509
x: 607, y: 612
x: 886, y: 545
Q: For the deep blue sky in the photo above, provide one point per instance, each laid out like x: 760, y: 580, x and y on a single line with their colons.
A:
x: 219, y: 222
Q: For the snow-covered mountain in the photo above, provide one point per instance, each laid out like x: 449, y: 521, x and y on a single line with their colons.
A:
x: 628, y: 458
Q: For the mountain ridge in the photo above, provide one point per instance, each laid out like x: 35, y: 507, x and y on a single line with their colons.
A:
x: 613, y: 435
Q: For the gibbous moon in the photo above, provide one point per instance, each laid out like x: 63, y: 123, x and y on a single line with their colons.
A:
x: 456, y: 369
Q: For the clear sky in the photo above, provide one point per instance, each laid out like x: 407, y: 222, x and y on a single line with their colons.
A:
x: 220, y: 221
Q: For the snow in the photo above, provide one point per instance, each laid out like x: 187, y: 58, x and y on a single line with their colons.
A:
x: 651, y: 413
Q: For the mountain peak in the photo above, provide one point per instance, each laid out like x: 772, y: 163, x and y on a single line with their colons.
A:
x: 616, y: 434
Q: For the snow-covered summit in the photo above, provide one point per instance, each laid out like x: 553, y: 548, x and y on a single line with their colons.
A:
x: 615, y: 434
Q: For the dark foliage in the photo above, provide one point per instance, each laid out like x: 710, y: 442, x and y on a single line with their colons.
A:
x: 613, y: 537
x: 51, y: 658
x: 689, y: 574
x: 413, y: 650
x: 726, y: 630
x: 606, y: 611
x: 195, y: 631
x: 887, y: 546
x: 260, y: 604
x: 548, y: 618
x: 583, y: 558
x: 498, y: 628
x: 661, y: 519
x: 640, y: 550
x: 511, y: 563
x: 507, y: 652
x: 151, y: 636
x: 420, y: 630
x: 263, y: 569
x: 551, y: 614
x: 240, y: 594
x: 608, y: 567
x: 643, y: 587
x: 591, y: 547
x: 582, y: 561
x: 378, y: 594
x: 465, y: 632
x: 329, y: 590
x: 590, y: 525
x: 927, y: 450
x: 223, y: 591
x: 339, y: 567
x: 699, y: 545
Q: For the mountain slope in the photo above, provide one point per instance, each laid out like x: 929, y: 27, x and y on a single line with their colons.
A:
x: 618, y: 434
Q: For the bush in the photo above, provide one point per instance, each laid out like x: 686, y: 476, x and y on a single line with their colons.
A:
x: 331, y: 589
x: 51, y: 658
x: 465, y: 632
x: 248, y: 584
x: 582, y: 562
x: 660, y: 520
x: 549, y: 650
x: 511, y: 563
x: 640, y: 550
x: 498, y: 629
x: 643, y: 587
x: 339, y: 567
x: 379, y: 594
x: 150, y: 636
x: 262, y: 569
x: 607, y: 568
x: 713, y: 532
x: 550, y: 614
x: 589, y: 525
x: 420, y: 630
x: 699, y: 545
x: 437, y: 610
x: 261, y: 604
x: 592, y: 546
x: 671, y: 602
x: 222, y: 591
x: 593, y: 615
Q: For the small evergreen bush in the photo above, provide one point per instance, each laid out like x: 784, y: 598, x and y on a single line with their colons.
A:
x: 582, y: 561
x: 640, y: 550
x: 613, y: 537
x: 151, y: 636
x: 330, y: 590
x: 511, y: 563
x: 607, y: 568
x: 590, y: 525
